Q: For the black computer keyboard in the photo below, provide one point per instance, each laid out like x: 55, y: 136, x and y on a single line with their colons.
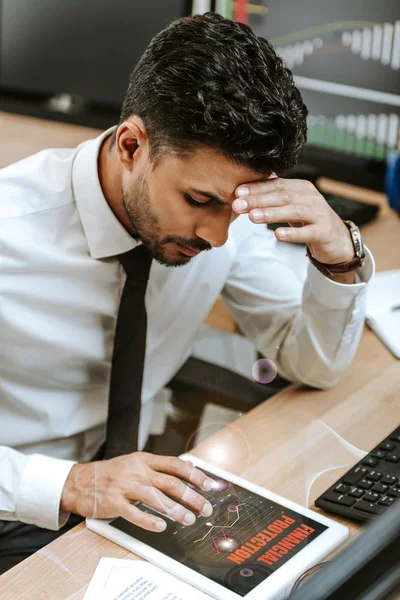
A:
x: 370, y: 487
x: 348, y: 210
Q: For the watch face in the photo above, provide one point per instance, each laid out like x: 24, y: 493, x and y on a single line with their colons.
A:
x: 357, y: 243
x: 356, y: 237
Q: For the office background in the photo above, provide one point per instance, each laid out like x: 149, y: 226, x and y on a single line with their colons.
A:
x: 66, y: 63
x: 70, y: 61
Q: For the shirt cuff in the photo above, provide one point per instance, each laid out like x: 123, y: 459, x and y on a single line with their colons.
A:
x: 340, y: 295
x: 40, y: 490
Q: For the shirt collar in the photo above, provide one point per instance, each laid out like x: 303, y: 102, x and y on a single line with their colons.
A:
x: 105, y: 235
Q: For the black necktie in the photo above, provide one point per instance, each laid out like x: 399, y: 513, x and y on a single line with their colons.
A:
x: 128, y: 356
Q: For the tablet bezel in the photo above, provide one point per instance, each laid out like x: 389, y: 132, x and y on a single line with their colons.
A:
x: 277, y: 585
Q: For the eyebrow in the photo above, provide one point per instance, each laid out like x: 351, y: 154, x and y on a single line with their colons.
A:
x: 211, y: 196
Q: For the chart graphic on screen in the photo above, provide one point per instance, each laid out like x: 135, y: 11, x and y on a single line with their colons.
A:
x: 223, y: 541
x: 371, y: 41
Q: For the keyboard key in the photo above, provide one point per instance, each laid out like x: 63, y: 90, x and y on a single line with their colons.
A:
x: 394, y: 492
x: 340, y: 488
x: 339, y: 499
x: 390, y: 480
x: 354, y: 475
x: 374, y: 476
x: 370, y: 462
x: 378, y: 454
x: 369, y: 507
x: 395, y: 438
x: 381, y: 488
x: 386, y: 501
x: 364, y: 484
x: 371, y: 497
x: 388, y: 446
x: 394, y: 458
x: 355, y: 492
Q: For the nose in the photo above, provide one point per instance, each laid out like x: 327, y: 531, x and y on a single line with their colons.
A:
x: 214, y: 228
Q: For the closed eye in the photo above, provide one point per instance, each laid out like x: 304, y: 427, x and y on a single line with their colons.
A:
x: 194, y: 202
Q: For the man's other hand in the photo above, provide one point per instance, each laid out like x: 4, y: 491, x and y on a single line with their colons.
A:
x: 109, y: 489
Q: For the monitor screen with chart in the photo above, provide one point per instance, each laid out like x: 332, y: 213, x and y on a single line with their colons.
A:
x: 345, y: 57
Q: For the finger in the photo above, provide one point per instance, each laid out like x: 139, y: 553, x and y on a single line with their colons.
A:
x: 302, y: 235
x: 141, y: 519
x: 291, y: 213
x: 179, y: 468
x: 274, y: 183
x: 155, y: 498
x: 175, y: 488
x: 271, y: 198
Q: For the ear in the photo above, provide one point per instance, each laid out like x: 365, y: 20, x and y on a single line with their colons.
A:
x: 132, y: 142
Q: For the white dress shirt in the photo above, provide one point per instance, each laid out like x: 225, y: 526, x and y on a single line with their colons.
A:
x: 60, y: 286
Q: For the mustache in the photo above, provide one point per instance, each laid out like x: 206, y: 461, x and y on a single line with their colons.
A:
x: 200, y: 245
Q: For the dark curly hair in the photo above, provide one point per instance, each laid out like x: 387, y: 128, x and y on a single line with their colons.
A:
x: 209, y: 81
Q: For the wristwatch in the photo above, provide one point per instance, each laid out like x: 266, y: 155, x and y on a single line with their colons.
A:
x: 346, y: 267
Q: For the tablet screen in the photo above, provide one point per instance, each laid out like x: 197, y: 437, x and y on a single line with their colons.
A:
x: 247, y: 537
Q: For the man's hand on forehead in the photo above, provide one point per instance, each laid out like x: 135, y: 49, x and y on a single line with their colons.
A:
x: 297, y: 202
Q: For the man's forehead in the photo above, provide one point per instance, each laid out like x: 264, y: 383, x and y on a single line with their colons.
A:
x: 210, y: 171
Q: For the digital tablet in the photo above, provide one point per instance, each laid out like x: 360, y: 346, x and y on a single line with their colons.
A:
x: 255, y: 545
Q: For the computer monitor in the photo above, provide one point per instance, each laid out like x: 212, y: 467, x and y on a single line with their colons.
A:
x: 88, y: 48
x: 367, y: 569
x: 83, y: 47
x: 70, y: 60
x: 345, y: 55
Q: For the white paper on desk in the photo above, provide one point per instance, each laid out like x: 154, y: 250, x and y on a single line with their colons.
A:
x: 117, y: 579
x: 383, y: 309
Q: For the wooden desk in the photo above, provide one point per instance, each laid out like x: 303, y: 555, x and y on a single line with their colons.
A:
x: 279, y: 445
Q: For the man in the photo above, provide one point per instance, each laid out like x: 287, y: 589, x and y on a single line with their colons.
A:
x: 210, y: 124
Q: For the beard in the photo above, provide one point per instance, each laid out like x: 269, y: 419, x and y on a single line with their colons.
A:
x: 147, y: 226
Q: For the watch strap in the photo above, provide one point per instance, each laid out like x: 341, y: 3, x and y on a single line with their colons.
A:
x: 346, y: 267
